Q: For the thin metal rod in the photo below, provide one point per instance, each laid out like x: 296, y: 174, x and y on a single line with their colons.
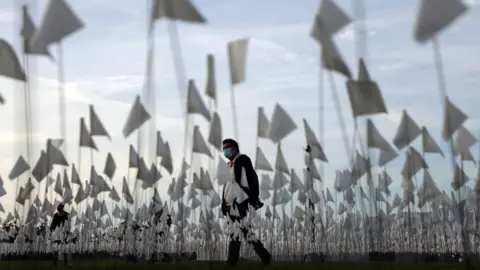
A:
x: 234, y: 112
x: 61, y: 99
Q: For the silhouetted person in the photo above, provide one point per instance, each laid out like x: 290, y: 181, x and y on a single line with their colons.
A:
x: 157, y: 220
x: 250, y: 186
x: 11, y: 237
x: 164, y: 257
x: 59, y: 218
x: 308, y: 151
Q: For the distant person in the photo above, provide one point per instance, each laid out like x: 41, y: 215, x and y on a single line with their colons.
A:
x: 158, y: 219
x: 59, y: 217
x: 250, y: 186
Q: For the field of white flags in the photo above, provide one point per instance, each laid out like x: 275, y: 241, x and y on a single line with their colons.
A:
x: 357, y: 216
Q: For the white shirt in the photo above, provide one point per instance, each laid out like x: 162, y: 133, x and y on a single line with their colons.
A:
x: 232, y: 185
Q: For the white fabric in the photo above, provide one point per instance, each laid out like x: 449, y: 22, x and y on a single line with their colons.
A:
x: 243, y: 179
x: 232, y: 189
x: 235, y: 193
x: 228, y: 189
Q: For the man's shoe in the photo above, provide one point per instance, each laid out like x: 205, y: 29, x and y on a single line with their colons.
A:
x: 268, y: 260
x: 231, y: 263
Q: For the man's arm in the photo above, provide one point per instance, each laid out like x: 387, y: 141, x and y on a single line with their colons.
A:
x: 244, y: 162
x: 157, y: 216
x: 224, y: 203
x: 53, y: 225
x: 169, y: 221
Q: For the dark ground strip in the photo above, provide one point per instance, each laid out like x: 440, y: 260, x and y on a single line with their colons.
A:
x: 317, y: 257
x: 124, y: 265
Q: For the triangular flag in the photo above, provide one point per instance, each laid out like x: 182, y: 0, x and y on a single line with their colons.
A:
x: 281, y: 124
x: 375, y: 139
x: 211, y: 87
x: 428, y: 143
x: 10, y: 66
x: 85, y: 138
x: 453, y: 119
x: 407, y: 131
x: 182, y: 10
x: 27, y: 32
x: 59, y: 21
x: 237, y: 57
x: 110, y: 166
x: 199, y: 144
x: 215, y: 134
x: 332, y: 16
x: 137, y: 116
x: 435, y: 15
x: 19, y: 168
x: 96, y: 126
x: 195, y: 104
x: 262, y: 124
x: 261, y: 161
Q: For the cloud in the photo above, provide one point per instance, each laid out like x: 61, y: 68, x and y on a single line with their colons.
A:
x: 15, y: 137
x: 105, y: 63
x: 471, y: 3
x: 8, y: 15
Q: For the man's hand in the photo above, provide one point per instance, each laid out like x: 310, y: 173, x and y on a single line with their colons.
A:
x: 224, y: 208
x: 256, y: 203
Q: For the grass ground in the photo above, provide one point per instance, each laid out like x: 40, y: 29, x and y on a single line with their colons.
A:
x: 123, y: 265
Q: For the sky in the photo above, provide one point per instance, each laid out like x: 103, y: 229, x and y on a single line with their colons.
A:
x: 104, y: 65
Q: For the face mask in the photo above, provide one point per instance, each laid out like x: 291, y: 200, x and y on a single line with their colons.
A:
x: 227, y: 152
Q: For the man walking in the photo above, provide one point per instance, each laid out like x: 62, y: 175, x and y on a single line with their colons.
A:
x: 249, y: 184
x: 59, y: 219
x: 159, y: 218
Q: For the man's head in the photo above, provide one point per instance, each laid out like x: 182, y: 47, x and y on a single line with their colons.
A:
x: 230, y: 148
x: 60, y: 207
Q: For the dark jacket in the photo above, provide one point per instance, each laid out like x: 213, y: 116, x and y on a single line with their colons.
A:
x: 58, y: 220
x: 244, y: 162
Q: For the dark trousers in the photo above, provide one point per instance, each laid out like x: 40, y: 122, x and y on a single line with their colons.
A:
x: 235, y: 243
x: 58, y: 256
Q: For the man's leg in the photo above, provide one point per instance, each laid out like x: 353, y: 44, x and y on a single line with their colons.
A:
x: 233, y: 250
x: 261, y: 251
x: 234, y: 245
x: 55, y: 258
x: 68, y: 260
x: 67, y: 256
x: 60, y: 255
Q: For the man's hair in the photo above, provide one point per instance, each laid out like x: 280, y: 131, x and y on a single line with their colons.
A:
x: 232, y: 142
